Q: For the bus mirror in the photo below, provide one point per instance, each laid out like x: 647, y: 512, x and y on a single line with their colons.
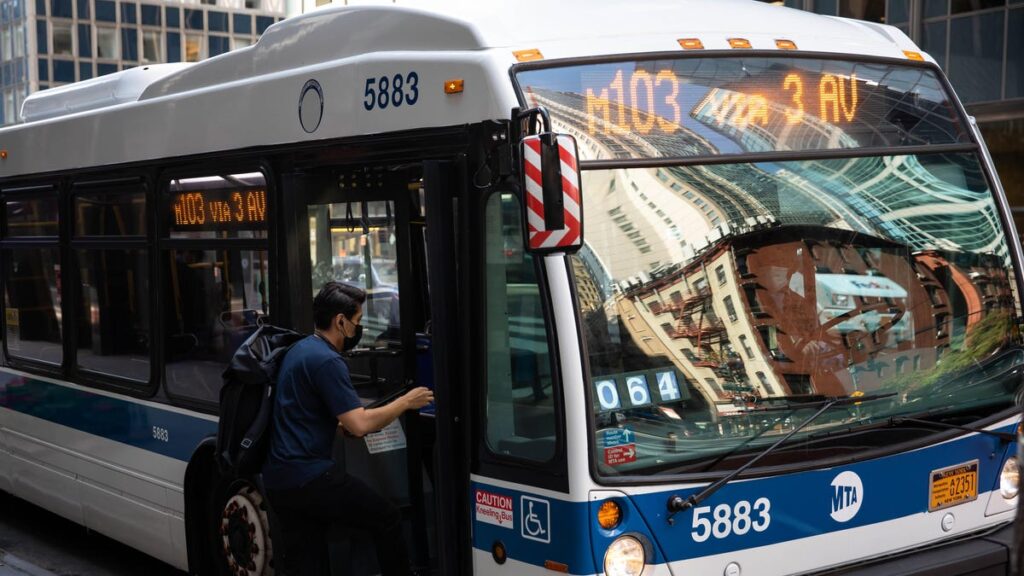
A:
x: 553, y: 199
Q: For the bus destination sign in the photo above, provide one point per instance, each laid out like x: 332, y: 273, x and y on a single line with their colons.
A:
x: 223, y: 209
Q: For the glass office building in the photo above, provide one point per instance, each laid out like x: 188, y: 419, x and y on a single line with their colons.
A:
x: 46, y: 43
x: 980, y: 45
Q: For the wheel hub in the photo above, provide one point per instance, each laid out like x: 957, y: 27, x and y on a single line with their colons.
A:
x: 244, y: 534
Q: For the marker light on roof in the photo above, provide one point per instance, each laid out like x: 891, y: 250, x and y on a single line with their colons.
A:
x: 528, y: 55
x: 454, y: 86
x: 913, y: 55
x: 739, y: 43
x: 691, y: 43
x: 785, y: 45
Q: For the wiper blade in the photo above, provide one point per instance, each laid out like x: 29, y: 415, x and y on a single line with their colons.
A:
x: 678, y: 504
x: 1003, y: 436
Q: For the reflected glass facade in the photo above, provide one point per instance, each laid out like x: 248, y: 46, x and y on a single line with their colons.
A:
x: 980, y: 45
x: 47, y: 43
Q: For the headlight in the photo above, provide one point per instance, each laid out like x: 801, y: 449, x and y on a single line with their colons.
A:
x: 841, y: 300
x: 1009, y: 478
x: 625, y: 557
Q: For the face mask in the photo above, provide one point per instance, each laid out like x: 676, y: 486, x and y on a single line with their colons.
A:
x: 352, y: 342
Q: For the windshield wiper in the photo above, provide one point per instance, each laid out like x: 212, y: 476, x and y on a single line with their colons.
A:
x: 677, y: 504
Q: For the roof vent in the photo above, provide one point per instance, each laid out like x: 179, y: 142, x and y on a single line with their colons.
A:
x: 94, y: 94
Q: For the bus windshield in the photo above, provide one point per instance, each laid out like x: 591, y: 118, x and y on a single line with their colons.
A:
x: 721, y: 299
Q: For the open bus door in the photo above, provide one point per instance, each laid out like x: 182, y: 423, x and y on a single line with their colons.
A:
x: 369, y: 226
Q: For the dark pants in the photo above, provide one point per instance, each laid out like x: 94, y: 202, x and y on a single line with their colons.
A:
x: 340, y: 501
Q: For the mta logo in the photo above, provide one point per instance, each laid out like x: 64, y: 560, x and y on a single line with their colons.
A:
x: 847, y: 496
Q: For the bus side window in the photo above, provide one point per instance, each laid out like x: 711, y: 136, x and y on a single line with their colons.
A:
x: 520, y: 411
x: 217, y: 294
x: 111, y: 260
x: 32, y: 298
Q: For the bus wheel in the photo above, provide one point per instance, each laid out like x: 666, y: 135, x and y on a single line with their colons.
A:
x: 245, y: 533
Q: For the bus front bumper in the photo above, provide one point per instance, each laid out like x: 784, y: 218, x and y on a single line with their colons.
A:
x: 981, y: 554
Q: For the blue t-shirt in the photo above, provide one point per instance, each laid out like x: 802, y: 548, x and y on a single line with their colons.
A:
x: 313, y: 387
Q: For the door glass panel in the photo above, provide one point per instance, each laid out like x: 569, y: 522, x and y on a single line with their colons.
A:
x: 33, y: 304
x: 520, y: 404
x: 355, y: 243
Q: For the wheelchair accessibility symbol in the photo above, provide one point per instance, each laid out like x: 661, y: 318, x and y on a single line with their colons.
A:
x: 535, y: 520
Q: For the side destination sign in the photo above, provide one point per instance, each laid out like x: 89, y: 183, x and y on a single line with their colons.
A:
x: 494, y: 509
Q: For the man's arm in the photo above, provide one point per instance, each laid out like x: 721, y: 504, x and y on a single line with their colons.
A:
x: 360, y: 421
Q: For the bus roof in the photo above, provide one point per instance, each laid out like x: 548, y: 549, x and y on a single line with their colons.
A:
x: 461, y: 33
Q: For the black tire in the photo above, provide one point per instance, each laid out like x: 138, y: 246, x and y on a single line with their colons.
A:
x: 240, y: 530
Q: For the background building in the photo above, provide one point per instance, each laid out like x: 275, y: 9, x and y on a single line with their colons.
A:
x: 980, y: 45
x: 46, y: 43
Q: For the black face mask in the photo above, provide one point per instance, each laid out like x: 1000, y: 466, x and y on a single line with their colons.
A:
x: 352, y: 342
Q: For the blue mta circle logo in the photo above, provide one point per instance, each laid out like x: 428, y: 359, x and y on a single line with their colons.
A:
x: 847, y: 496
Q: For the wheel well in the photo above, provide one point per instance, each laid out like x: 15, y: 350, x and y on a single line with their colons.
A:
x: 201, y: 477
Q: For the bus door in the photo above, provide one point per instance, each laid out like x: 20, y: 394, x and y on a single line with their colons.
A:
x: 365, y: 226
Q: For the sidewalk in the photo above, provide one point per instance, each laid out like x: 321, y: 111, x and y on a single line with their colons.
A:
x: 13, y: 566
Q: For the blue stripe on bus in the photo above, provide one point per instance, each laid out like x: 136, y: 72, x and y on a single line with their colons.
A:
x: 801, y: 505
x: 120, y: 420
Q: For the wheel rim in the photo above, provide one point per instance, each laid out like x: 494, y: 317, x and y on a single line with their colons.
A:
x: 245, y: 534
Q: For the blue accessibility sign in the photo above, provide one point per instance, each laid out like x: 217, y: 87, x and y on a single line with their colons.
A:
x: 617, y: 437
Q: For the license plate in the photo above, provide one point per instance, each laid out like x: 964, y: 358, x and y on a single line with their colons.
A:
x: 953, y: 485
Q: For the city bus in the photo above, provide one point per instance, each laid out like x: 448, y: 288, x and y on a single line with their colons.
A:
x: 701, y: 287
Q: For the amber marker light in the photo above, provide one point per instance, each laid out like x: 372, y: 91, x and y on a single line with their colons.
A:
x: 528, y: 55
x: 609, y: 514
x: 453, y: 86
x: 556, y: 566
x: 785, y: 45
x: 913, y: 55
x: 3, y: 154
x: 739, y: 43
x: 691, y: 43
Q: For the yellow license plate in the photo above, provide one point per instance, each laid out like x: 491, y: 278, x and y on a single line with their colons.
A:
x: 953, y: 485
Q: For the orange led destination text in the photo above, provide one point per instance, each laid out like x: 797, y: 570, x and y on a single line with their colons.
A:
x: 645, y: 102
x: 243, y: 207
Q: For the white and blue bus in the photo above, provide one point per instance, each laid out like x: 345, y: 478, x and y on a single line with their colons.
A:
x: 766, y: 321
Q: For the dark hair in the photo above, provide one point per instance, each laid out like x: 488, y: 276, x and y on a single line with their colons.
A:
x: 333, y: 299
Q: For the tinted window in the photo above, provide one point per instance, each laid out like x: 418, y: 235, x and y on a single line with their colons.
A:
x: 150, y: 15
x: 215, y: 299
x: 114, y: 314
x: 243, y: 24
x: 32, y: 300
x: 106, y: 11
x: 110, y: 214
x: 520, y: 413
x: 32, y: 216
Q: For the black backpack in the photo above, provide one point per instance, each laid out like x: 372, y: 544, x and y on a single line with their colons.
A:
x: 247, y: 399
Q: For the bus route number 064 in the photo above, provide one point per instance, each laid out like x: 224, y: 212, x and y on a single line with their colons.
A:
x: 391, y: 91
x: 728, y: 519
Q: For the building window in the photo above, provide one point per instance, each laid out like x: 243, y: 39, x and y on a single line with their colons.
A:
x: 130, y: 44
x: 84, y: 41
x: 83, y: 9
x: 104, y: 69
x: 173, y: 47
x: 765, y: 383
x: 242, y: 23
x: 720, y: 274
x: 217, y: 21
x: 218, y: 45
x: 193, y: 19
x: 173, y: 16
x: 84, y: 71
x: 262, y: 23
x: 106, y: 43
x: 151, y: 46
x: 42, y: 45
x: 1015, y: 55
x: 976, y: 56
x: 240, y: 42
x: 61, y: 9
x: 252, y: 4
x: 150, y: 15
x: 44, y: 70
x: 106, y: 11
x: 128, y: 14
x: 62, y: 42
x: 63, y: 71
x: 730, y: 309
x: 193, y: 48
x: 746, y: 346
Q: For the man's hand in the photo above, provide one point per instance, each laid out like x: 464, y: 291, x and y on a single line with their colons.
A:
x: 418, y: 398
